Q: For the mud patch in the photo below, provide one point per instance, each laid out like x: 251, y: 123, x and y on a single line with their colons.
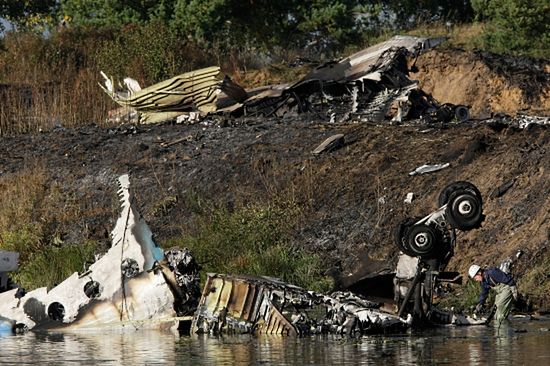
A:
x: 487, y: 82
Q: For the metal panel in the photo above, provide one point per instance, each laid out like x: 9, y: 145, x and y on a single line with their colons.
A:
x: 238, y: 299
x: 212, y: 299
x: 225, y: 294
x: 250, y: 302
x: 8, y: 261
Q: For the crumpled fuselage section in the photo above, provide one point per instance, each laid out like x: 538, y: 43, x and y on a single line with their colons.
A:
x: 244, y: 304
x: 127, y: 286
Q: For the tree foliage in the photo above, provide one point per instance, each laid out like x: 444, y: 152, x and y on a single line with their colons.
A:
x: 263, y: 22
x: 29, y: 13
x: 115, y: 12
x: 516, y: 26
x: 17, y: 9
x: 412, y: 12
x: 317, y: 25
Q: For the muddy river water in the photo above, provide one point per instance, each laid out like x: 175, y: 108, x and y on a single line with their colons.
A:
x: 523, y: 342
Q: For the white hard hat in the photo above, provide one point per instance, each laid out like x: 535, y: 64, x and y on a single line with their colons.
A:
x: 474, y: 269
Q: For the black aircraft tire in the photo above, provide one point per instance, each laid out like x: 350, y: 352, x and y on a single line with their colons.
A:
x: 423, y: 240
x: 464, y: 211
x: 400, y: 235
x: 456, y: 186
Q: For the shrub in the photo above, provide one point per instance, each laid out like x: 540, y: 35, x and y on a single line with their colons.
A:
x: 52, y: 265
x: 534, y: 283
x: 464, y: 297
x: 149, y: 53
x: 516, y: 26
x: 255, y: 239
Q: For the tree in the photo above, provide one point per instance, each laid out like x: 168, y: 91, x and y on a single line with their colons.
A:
x: 265, y: 22
x: 116, y: 12
x: 28, y: 13
x: 408, y: 13
x: 517, y: 26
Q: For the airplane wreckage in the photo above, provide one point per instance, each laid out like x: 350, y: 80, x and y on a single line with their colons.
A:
x: 371, y: 84
x: 137, y: 285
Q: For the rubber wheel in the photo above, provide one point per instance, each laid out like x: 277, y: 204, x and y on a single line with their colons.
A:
x: 444, y: 114
x: 400, y: 235
x: 462, y: 114
x: 457, y: 186
x: 423, y: 240
x: 464, y: 210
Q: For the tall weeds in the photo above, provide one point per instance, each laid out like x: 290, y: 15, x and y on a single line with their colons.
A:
x: 254, y: 239
x: 33, y: 215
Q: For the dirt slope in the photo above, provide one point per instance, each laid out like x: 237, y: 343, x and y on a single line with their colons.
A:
x: 353, y: 195
x: 488, y: 83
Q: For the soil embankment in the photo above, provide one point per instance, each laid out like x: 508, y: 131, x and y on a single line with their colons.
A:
x: 488, y: 83
x: 354, y: 195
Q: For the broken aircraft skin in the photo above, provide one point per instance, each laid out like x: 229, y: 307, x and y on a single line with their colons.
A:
x: 370, y: 85
x: 134, y: 285
x: 263, y: 305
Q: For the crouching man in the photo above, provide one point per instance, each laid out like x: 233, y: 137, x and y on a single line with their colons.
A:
x: 504, y: 286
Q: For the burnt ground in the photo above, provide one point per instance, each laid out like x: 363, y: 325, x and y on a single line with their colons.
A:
x: 353, y: 195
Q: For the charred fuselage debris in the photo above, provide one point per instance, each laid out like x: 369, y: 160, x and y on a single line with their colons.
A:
x: 263, y: 305
x: 370, y: 85
x: 135, y: 284
x: 185, y: 270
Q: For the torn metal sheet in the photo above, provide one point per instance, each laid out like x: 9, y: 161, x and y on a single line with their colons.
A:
x: 409, y: 198
x: 193, y: 91
x: 429, y: 168
x: 133, y: 285
x: 244, y: 304
x: 370, y: 62
x: 332, y: 143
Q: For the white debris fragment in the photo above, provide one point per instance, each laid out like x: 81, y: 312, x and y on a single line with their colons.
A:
x: 189, y: 117
x: 132, y: 85
x: 409, y: 197
x: 108, y: 83
x: 525, y: 121
x: 429, y: 168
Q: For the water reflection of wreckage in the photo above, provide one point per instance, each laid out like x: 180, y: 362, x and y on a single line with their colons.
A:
x: 372, y: 85
x: 137, y: 285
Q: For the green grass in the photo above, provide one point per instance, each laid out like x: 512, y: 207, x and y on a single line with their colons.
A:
x: 535, y: 281
x: 52, y: 265
x: 464, y: 297
x: 255, y: 240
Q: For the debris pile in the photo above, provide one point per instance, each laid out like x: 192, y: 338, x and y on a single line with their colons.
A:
x: 137, y: 284
x: 371, y: 85
x: 244, y: 304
